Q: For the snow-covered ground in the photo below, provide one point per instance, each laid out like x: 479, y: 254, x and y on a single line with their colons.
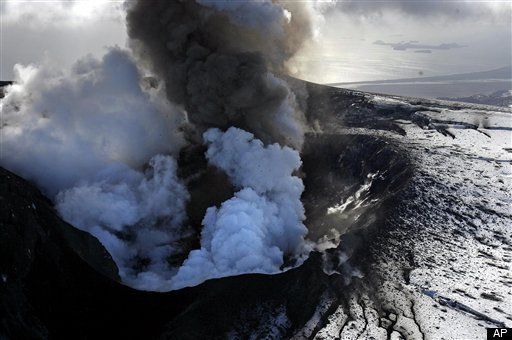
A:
x: 441, y: 266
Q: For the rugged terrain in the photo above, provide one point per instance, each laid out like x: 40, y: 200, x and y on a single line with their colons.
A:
x: 408, y: 201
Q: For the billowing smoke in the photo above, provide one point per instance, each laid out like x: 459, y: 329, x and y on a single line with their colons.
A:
x: 137, y: 216
x: 102, y: 139
x: 265, y: 17
x: 221, y: 60
x: 63, y: 127
x: 253, y: 231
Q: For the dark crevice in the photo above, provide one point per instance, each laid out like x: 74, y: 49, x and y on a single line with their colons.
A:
x: 416, y: 321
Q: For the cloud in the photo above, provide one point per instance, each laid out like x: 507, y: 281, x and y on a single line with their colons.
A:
x: 61, y: 31
x: 34, y: 14
x: 100, y: 140
x: 455, y: 10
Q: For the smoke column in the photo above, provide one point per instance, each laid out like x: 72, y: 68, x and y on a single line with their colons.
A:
x: 102, y: 139
x: 220, y: 60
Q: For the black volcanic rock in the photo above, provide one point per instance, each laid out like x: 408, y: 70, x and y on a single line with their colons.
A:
x: 31, y: 233
x: 30, y: 223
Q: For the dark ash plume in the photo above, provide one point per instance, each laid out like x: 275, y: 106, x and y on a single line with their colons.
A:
x: 219, y: 60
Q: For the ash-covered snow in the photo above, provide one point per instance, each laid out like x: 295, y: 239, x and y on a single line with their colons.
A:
x: 442, y: 267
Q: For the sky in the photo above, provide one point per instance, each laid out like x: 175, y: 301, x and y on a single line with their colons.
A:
x: 58, y: 31
x: 358, y: 40
x: 356, y: 37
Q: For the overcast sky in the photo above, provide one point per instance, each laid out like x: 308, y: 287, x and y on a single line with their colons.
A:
x: 59, y: 31
x: 345, y: 50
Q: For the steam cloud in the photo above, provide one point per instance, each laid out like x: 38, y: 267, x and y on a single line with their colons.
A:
x: 252, y: 231
x: 138, y: 218
x: 63, y: 127
x: 101, y: 139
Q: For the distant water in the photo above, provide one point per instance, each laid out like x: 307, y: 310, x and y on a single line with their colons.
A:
x: 455, y: 85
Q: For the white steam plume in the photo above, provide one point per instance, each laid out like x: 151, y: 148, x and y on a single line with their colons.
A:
x: 253, y: 231
x: 137, y: 217
x: 63, y: 127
